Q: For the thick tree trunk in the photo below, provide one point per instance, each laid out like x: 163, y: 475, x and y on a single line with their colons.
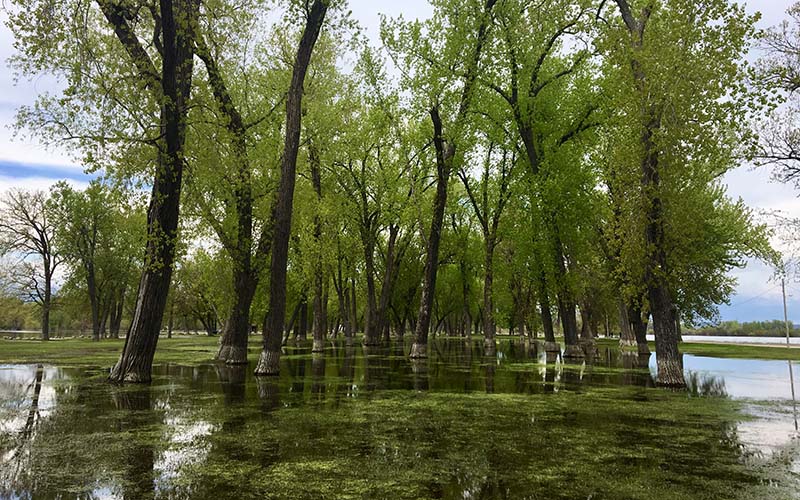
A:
x: 670, y: 365
x: 269, y: 362
x: 135, y: 363
x: 566, y: 309
x: 233, y: 345
x: 588, y: 332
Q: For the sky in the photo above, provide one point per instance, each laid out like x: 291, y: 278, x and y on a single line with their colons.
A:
x: 26, y: 163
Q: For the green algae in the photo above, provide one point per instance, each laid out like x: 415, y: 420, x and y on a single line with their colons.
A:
x: 349, y: 426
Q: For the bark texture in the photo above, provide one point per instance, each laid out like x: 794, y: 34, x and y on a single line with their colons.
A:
x: 270, y: 356
x: 177, y: 20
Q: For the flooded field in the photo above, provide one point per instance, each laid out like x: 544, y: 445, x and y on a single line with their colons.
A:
x: 370, y: 423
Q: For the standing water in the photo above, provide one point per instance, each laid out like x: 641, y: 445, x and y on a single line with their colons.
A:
x: 370, y: 423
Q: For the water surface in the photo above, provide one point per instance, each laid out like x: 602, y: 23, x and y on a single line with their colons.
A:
x: 369, y: 423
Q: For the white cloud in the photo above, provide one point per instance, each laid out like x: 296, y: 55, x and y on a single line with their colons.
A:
x: 36, y: 183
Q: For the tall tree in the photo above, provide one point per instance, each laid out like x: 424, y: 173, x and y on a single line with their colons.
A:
x: 268, y: 363
x: 177, y: 21
x: 680, y: 105
x: 464, y: 26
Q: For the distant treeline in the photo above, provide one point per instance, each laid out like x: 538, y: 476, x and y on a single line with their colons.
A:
x: 774, y: 328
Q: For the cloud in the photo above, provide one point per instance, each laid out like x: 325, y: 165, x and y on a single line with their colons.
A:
x: 37, y: 183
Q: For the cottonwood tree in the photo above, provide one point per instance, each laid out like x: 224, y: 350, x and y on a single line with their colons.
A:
x: 27, y: 234
x: 128, y: 70
x: 231, y: 184
x: 98, y: 235
x: 680, y: 103
x: 268, y: 363
x: 457, y: 33
x: 488, y: 196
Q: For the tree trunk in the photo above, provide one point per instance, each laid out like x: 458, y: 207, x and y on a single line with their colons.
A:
x: 668, y: 357
x: 639, y: 323
x: 489, y: 330
x: 94, y: 302
x: 135, y: 363
x: 318, y: 323
x: 444, y: 156
x: 46, y: 300
x: 626, y: 335
x: 116, y: 315
x: 269, y: 362
x: 301, y: 333
x: 550, y: 344
x: 393, y: 260
x: 670, y: 366
x: 233, y: 345
x: 171, y: 318
x: 370, y: 328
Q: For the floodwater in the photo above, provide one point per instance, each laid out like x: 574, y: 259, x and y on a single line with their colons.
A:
x: 731, y: 339
x: 357, y: 423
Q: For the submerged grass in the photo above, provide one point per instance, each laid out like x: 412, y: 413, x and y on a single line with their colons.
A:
x: 355, y: 428
x: 627, y: 443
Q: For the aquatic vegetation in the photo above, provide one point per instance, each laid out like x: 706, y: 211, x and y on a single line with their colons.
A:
x: 344, y: 425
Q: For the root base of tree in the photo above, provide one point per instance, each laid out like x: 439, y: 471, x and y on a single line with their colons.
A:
x: 552, y: 347
x: 236, y: 356
x: 418, y: 351
x: 268, y: 363
x: 573, y: 352
x: 670, y: 374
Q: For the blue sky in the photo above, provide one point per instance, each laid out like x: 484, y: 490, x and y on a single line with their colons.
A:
x: 24, y: 162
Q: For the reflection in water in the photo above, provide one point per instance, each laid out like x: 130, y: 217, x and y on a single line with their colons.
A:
x: 138, y: 481
x: 232, y: 381
x: 703, y: 384
x: 213, y: 431
x: 268, y: 393
x: 318, y: 376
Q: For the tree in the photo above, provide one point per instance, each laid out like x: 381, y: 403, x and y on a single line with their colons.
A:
x: 268, y: 363
x: 27, y: 231
x: 464, y: 27
x: 100, y: 242
x: 230, y: 180
x: 680, y: 104
x: 488, y: 202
